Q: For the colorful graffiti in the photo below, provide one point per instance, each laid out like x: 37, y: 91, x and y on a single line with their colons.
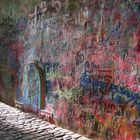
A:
x: 90, y: 57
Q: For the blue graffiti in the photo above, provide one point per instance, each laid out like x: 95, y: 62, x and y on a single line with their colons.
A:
x: 116, y: 28
x: 49, y: 86
x: 51, y: 67
x: 104, y: 41
x: 119, y: 99
x: 87, y: 83
x: 115, y: 31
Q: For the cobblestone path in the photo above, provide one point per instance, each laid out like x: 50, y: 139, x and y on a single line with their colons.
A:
x: 17, y: 125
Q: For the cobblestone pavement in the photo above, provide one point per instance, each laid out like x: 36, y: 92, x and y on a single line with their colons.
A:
x: 17, y: 125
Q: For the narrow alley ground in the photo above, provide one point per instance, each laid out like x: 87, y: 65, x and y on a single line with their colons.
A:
x: 17, y: 125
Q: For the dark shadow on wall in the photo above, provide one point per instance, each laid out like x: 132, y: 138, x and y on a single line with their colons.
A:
x: 7, y: 88
x: 9, y: 64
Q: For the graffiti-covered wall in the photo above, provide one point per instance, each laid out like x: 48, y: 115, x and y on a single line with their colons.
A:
x: 90, y: 56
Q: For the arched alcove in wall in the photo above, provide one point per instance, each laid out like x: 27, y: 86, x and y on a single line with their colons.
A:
x: 32, y: 88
